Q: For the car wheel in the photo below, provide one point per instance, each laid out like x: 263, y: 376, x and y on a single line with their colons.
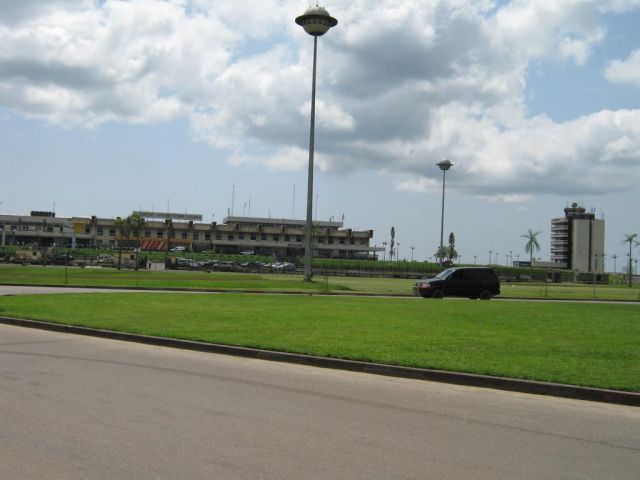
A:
x: 485, y: 295
x: 438, y: 294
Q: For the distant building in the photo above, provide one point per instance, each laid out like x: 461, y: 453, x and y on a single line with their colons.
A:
x: 577, y: 240
x: 281, y: 238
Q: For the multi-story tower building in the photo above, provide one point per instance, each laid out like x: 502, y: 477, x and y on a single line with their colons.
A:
x: 577, y: 240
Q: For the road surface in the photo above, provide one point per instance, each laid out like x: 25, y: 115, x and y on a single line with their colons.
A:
x: 76, y: 407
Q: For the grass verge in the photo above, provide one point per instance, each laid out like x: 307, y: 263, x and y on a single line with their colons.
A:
x: 579, y: 344
x: 109, y: 277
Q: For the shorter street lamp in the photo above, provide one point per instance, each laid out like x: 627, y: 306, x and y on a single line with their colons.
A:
x: 444, y: 165
x: 490, y: 252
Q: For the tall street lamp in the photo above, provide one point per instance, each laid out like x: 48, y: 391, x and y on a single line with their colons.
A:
x: 444, y: 166
x: 316, y: 21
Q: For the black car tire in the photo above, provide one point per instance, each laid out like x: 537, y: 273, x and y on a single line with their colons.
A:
x: 438, y: 293
x: 485, y: 295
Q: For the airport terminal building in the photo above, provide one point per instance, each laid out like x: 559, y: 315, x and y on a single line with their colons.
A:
x: 281, y: 238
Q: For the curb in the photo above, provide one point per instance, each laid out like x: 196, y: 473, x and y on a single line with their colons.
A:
x: 468, y: 379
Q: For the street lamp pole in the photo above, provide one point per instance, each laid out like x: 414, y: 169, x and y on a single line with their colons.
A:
x: 316, y: 21
x: 444, y: 165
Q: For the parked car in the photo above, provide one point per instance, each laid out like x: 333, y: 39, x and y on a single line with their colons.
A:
x: 283, y: 267
x: 252, y: 265
x: 104, y: 258
x: 62, y: 259
x: 185, y: 262
x: 224, y: 266
x: 471, y: 282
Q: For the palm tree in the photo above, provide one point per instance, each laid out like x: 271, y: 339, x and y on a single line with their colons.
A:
x: 191, y: 235
x: 393, y: 236
x: 452, y: 254
x: 531, y: 245
x: 136, y: 222
x: 630, y: 238
x: 119, y: 223
x: 211, y: 234
x: 168, y: 227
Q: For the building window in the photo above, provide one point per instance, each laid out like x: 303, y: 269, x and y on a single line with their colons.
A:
x: 341, y: 240
x: 87, y: 229
x: 183, y: 235
x: 320, y: 240
x: 172, y: 234
x: 299, y: 238
x: 241, y: 235
x: 253, y: 236
x: 230, y: 237
x: 287, y: 238
x: 330, y: 240
x: 352, y: 241
x: 276, y: 237
x: 147, y: 233
x: 196, y: 236
x: 112, y: 232
x: 218, y: 236
x: 158, y: 233
x: 207, y: 236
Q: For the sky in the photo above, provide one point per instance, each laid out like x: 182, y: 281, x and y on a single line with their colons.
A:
x: 203, y: 106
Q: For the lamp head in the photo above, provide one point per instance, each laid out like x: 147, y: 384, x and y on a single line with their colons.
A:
x: 444, y: 164
x: 316, y: 21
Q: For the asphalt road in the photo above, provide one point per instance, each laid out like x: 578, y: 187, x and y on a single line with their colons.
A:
x: 76, y: 407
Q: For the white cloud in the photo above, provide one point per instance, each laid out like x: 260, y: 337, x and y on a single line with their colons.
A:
x: 400, y: 85
x: 625, y: 71
x: 136, y: 61
x: 330, y: 117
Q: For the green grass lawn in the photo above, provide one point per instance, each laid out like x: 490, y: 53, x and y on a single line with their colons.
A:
x: 582, y: 344
x: 110, y: 277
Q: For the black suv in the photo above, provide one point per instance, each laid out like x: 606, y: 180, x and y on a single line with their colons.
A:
x: 472, y: 282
